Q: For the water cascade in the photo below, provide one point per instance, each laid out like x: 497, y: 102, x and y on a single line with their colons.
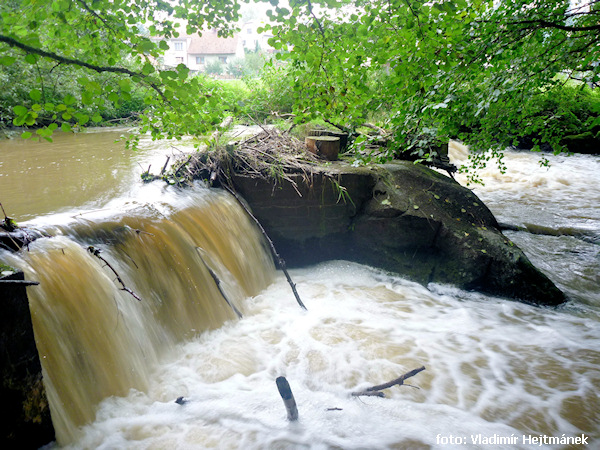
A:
x: 97, y: 340
x: 499, y: 374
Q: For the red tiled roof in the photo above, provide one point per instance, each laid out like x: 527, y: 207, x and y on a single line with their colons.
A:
x: 211, y: 44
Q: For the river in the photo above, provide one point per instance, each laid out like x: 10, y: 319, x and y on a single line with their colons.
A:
x: 499, y: 374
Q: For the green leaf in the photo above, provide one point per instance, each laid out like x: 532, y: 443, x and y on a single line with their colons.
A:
x: 7, y: 60
x: 20, y: 110
x: 35, y: 95
x: 26, y: 135
x: 31, y: 118
x: 82, y: 118
x: 147, y: 69
x: 125, y: 84
x: 69, y: 100
x: 87, y: 97
x: 30, y: 58
x: 65, y: 127
x: 96, y: 118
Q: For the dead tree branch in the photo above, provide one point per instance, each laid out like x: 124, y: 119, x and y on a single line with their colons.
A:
x: 218, y: 283
x: 96, y: 252
x: 276, y: 255
x: 376, y: 390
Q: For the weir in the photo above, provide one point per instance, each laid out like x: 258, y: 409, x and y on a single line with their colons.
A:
x: 96, y: 340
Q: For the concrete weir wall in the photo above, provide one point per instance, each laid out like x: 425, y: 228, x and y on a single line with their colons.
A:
x: 401, y: 217
x: 26, y: 421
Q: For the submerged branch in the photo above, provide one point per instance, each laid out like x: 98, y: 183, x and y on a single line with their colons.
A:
x: 217, y: 281
x: 96, y: 252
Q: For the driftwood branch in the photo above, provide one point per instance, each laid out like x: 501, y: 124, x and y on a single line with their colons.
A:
x: 217, y: 281
x: 96, y: 252
x: 276, y: 255
x: 376, y: 390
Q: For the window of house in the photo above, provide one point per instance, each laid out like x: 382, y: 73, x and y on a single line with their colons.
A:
x: 199, y: 59
x: 179, y: 46
x: 249, y: 30
x: 179, y: 59
x: 223, y: 59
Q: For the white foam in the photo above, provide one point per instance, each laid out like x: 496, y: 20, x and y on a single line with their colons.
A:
x: 492, y: 368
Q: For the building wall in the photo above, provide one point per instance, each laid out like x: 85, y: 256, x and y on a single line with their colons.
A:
x: 194, y: 65
x: 177, y: 53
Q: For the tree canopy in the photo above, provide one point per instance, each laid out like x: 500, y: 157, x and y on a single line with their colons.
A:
x: 121, y: 40
x: 428, y: 70
x: 458, y: 69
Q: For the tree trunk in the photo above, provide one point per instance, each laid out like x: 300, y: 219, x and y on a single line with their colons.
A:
x: 326, y: 147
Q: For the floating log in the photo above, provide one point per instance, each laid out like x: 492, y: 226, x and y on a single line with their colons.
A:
x: 288, y: 398
x: 326, y: 147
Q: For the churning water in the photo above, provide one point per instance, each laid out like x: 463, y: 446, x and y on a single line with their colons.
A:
x: 499, y: 374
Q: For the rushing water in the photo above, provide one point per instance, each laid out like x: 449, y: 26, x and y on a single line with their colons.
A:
x: 496, y: 370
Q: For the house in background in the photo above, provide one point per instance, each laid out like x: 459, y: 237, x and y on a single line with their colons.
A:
x: 252, y: 40
x: 197, y: 51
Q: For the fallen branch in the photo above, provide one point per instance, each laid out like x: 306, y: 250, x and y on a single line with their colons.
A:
x: 218, y: 283
x: 376, y: 390
x: 96, y: 252
x: 276, y: 255
x: 162, y: 172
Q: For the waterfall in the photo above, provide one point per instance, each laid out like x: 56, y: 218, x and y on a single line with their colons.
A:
x: 95, y: 339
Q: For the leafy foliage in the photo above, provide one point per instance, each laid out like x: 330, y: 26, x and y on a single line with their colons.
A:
x: 426, y: 70
x: 439, y: 69
x: 119, y: 39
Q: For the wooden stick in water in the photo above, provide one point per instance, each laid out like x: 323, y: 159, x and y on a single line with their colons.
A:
x: 288, y: 398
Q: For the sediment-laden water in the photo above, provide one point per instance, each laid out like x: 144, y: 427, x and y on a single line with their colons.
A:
x: 499, y: 374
